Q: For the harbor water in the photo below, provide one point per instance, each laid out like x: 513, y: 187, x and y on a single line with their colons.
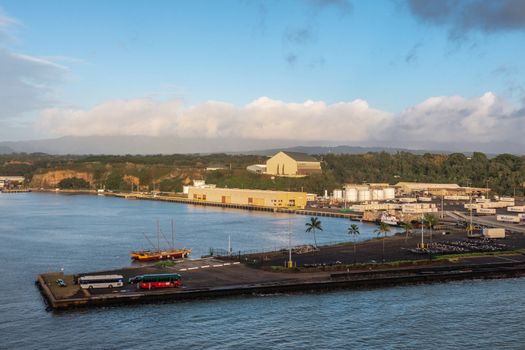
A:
x: 79, y: 233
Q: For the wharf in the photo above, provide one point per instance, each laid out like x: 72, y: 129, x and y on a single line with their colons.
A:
x: 18, y: 190
x: 213, y: 278
x: 183, y: 200
x: 310, y: 212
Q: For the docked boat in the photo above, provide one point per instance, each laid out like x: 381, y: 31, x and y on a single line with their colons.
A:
x: 157, y: 254
x: 168, y: 254
x: 389, y: 219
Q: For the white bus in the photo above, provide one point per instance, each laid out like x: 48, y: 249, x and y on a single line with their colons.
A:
x: 101, y: 281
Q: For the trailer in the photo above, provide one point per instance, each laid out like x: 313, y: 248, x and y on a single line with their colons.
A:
x: 508, y: 218
x: 485, y: 211
x: 494, y: 232
x: 516, y: 209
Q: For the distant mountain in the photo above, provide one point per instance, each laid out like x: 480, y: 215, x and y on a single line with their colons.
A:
x: 6, y: 150
x: 339, y: 150
x: 140, y: 144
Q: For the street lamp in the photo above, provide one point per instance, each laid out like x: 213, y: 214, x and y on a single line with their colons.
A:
x: 290, y: 262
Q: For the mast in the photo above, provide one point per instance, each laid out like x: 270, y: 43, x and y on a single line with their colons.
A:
x: 158, y: 237
x: 470, y: 197
x: 172, y: 236
x: 422, y: 231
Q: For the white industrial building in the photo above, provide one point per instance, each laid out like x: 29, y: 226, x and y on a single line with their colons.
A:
x: 364, y: 193
x: 197, y: 184
x: 7, y: 181
x: 257, y: 168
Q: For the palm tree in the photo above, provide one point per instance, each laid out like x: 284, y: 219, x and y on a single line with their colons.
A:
x: 354, y: 231
x: 383, y: 229
x: 431, y: 221
x: 312, y: 226
x: 407, y: 226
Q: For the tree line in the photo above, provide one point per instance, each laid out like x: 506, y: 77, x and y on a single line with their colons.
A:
x: 504, y: 173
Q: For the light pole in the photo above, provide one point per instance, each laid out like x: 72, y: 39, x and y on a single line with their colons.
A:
x: 422, y: 232
x: 290, y: 262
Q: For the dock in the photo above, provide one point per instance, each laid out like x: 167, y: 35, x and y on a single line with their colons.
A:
x: 214, y: 278
x: 309, y: 212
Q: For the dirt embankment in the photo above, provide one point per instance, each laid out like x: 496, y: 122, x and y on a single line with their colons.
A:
x: 52, y: 178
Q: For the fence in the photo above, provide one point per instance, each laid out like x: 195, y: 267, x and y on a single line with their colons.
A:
x: 247, y: 255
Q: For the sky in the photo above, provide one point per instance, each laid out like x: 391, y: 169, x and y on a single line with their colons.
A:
x: 402, y: 73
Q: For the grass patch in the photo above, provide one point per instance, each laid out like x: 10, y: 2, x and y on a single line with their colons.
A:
x: 166, y: 263
x: 456, y: 257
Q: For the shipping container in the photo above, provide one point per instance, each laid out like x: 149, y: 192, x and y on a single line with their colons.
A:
x: 516, y: 209
x: 508, y: 218
x: 494, y: 232
x: 485, y: 211
x: 456, y: 198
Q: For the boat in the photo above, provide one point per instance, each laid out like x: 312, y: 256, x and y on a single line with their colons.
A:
x: 157, y: 254
x: 389, y: 219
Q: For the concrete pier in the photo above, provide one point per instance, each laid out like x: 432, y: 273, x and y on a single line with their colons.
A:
x: 212, y: 278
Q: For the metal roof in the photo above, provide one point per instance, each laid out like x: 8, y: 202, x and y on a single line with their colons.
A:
x: 300, y: 157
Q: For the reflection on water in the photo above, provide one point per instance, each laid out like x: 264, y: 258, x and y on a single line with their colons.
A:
x: 43, y: 232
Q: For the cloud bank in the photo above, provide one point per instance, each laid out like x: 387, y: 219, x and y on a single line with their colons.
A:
x: 439, y: 120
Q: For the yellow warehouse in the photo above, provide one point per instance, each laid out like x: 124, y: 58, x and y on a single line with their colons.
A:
x: 292, y: 164
x: 261, y: 198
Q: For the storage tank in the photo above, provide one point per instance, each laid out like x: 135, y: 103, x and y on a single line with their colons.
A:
x: 390, y: 193
x: 338, y: 194
x: 351, y: 194
x: 378, y: 195
x: 363, y: 195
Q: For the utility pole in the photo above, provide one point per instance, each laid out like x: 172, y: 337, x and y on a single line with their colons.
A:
x: 422, y: 232
x: 442, y: 204
x: 290, y: 263
x: 470, y: 201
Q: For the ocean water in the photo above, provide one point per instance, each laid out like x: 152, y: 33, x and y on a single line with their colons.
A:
x: 46, y: 232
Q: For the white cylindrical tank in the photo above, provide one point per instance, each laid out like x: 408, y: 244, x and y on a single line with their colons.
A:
x: 338, y: 194
x: 377, y: 195
x: 363, y: 195
x: 390, y: 193
x: 351, y: 194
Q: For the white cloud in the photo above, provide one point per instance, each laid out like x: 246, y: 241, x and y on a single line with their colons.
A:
x: 263, y: 118
x: 482, y: 119
x: 26, y: 81
x: 436, y: 121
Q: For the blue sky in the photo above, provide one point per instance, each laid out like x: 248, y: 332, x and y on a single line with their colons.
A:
x: 391, y: 54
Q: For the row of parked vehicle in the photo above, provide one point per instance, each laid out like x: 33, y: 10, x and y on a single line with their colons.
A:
x: 152, y: 281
